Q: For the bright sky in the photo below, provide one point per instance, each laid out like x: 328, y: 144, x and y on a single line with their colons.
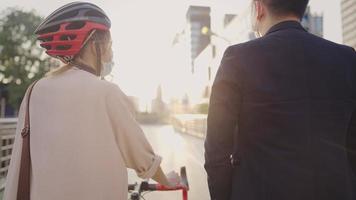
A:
x: 143, y: 32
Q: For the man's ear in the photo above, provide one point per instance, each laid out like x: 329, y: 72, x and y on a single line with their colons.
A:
x: 260, y: 10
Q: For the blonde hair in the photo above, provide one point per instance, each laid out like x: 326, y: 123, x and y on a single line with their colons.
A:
x: 103, y: 37
x: 59, y: 70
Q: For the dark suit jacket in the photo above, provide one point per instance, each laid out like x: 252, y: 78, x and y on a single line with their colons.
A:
x: 284, y: 106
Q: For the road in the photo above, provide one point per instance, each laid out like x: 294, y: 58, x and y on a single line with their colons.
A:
x: 177, y: 150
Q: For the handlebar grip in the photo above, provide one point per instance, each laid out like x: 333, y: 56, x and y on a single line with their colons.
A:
x: 183, y: 174
x: 152, y: 187
x: 132, y: 186
x: 145, y: 186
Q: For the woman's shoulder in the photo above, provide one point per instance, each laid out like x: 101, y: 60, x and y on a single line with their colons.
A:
x: 76, y: 80
x: 111, y: 88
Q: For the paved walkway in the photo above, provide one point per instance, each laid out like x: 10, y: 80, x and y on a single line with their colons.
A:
x: 178, y: 150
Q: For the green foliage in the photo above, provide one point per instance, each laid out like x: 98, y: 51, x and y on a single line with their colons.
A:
x: 203, y: 108
x: 22, y: 60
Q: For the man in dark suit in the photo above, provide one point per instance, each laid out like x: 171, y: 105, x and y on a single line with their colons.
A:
x: 282, y: 116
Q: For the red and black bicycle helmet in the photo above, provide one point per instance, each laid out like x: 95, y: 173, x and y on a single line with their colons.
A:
x: 64, y: 32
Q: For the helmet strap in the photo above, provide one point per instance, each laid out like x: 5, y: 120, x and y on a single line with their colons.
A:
x: 85, y: 67
x: 66, y: 59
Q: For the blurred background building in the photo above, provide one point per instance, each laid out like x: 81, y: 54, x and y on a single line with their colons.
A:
x: 348, y: 14
x: 239, y: 29
x: 313, y: 22
x: 197, y: 18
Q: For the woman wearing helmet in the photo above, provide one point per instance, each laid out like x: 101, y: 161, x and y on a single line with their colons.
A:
x: 83, y: 137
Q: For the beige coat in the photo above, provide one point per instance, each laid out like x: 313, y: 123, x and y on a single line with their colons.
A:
x: 82, y: 139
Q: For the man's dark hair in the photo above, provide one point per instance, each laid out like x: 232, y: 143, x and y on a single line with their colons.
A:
x: 286, y: 7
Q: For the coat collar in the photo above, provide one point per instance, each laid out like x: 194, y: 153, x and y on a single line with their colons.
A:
x: 285, y: 25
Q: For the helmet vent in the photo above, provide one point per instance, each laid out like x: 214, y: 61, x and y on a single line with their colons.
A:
x: 66, y: 15
x: 63, y: 47
x: 47, y: 47
x: 68, y: 37
x: 50, y: 29
x: 75, y: 25
x: 47, y: 39
x: 94, y: 13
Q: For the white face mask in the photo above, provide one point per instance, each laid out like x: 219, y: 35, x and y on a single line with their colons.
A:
x: 107, y: 68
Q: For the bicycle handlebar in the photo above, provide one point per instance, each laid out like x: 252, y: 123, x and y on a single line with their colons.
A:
x: 145, y: 186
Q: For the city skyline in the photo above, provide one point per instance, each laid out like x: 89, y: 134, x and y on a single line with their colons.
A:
x: 145, y: 30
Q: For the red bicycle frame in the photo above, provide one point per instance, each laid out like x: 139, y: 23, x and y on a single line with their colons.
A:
x: 184, y: 188
x: 145, y: 186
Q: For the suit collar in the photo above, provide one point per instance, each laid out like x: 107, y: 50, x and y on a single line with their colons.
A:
x: 285, y: 25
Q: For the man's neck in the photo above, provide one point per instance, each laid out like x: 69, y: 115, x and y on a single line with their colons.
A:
x: 276, y: 21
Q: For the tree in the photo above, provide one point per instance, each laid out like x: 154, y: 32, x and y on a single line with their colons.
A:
x: 21, y: 59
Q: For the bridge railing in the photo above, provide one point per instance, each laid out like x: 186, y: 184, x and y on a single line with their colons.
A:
x: 193, y: 124
x: 7, y: 137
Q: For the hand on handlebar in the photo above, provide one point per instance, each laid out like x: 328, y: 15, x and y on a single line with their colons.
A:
x: 174, y: 179
x: 172, y: 182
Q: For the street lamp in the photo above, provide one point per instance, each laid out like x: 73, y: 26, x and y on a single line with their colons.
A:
x: 207, y: 31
